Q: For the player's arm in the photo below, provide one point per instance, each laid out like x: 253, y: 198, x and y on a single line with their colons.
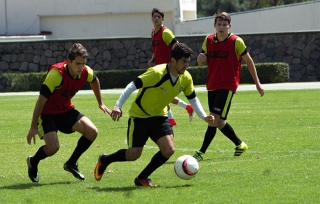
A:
x: 34, y: 122
x: 95, y: 86
x: 130, y: 88
x: 169, y: 38
x: 242, y: 50
x: 252, y: 69
x: 53, y: 79
x: 151, y: 62
x: 202, y: 57
x: 197, y: 107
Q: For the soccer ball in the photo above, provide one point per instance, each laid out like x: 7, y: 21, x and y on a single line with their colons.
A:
x: 186, y: 167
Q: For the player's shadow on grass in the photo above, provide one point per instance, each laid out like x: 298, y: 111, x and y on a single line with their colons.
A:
x: 203, y: 161
x: 114, y: 189
x: 31, y: 185
x: 131, y: 188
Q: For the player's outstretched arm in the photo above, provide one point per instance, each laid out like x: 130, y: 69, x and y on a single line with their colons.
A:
x: 95, y: 86
x: 117, y: 112
x: 33, y: 131
x: 209, y: 119
x: 253, y: 72
x: 197, y: 107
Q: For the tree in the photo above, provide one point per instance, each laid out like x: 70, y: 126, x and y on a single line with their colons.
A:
x: 211, y: 7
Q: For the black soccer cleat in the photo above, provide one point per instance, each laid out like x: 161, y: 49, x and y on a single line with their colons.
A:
x: 32, y: 170
x: 143, y: 182
x: 73, y: 168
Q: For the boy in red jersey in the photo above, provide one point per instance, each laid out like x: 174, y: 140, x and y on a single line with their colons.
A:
x: 162, y: 42
x: 223, y: 52
x: 54, y: 111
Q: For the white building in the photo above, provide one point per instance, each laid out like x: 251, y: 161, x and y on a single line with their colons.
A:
x: 126, y: 18
x: 90, y: 18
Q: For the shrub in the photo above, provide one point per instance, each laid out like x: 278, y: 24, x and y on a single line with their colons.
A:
x: 268, y: 73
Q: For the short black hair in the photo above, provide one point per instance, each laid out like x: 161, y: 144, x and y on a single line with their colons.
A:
x: 77, y: 50
x: 223, y: 15
x: 156, y: 10
x: 180, y: 50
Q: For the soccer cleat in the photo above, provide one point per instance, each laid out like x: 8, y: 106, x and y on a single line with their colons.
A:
x: 190, y: 112
x: 241, y: 148
x: 73, y: 168
x: 142, y: 182
x: 198, y: 156
x: 32, y: 170
x: 172, y: 122
x: 99, y: 169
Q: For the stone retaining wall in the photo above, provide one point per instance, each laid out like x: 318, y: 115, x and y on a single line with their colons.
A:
x: 300, y: 50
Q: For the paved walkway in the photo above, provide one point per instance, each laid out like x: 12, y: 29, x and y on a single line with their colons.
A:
x: 274, y: 86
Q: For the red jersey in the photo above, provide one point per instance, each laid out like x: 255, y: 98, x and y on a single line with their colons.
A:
x: 161, y: 51
x: 224, y: 66
x: 60, y: 99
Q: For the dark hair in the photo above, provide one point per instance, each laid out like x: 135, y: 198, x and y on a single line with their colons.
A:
x: 77, y: 50
x: 223, y: 15
x: 156, y: 10
x: 180, y: 50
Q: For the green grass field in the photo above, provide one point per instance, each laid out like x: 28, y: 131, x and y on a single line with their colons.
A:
x: 281, y: 166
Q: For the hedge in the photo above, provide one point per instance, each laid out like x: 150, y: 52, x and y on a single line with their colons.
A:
x: 268, y: 73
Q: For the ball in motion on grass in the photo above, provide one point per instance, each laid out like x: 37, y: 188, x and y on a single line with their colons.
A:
x: 186, y: 167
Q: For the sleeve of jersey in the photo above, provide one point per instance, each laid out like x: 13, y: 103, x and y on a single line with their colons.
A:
x: 91, y: 75
x: 51, y: 82
x: 147, y: 77
x: 130, y: 88
x: 189, y: 87
x: 168, y: 37
x: 204, y: 45
x: 240, y: 47
x: 197, y: 107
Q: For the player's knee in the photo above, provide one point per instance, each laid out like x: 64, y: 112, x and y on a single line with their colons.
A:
x: 51, y: 149
x: 133, y: 154
x: 92, y: 134
x: 168, y: 152
x: 95, y: 132
x: 133, y: 157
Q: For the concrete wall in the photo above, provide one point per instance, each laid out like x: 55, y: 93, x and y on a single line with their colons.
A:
x: 300, y: 50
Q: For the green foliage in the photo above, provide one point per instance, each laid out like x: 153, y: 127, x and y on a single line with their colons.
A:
x: 268, y: 73
x: 116, y: 78
x: 281, y: 165
x: 210, y: 7
x: 24, y: 82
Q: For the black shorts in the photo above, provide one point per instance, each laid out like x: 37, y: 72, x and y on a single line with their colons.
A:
x: 220, y: 101
x: 62, y: 122
x: 140, y: 129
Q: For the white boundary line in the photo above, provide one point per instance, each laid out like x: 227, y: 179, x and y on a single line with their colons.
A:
x: 274, y: 86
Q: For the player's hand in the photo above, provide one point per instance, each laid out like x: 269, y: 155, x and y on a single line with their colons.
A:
x: 209, y: 119
x: 116, y: 113
x: 260, y: 89
x: 32, y: 135
x: 151, y: 63
x: 105, y: 109
x: 202, y: 59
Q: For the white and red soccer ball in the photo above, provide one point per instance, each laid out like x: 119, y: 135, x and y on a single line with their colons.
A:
x: 186, y: 167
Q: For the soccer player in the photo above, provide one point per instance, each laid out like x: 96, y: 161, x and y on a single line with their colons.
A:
x: 162, y: 42
x: 157, y: 87
x: 54, y: 111
x: 223, y: 52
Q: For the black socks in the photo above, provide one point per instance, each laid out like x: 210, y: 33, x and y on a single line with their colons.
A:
x: 208, y: 137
